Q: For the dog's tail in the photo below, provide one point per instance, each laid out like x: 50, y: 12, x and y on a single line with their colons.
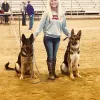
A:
x: 7, y: 66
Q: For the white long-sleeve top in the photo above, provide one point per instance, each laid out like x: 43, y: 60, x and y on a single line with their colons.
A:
x: 52, y: 28
x: 23, y: 8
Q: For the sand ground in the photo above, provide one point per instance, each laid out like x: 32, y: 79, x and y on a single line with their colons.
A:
x: 85, y: 88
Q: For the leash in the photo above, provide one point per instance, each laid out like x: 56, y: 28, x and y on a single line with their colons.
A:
x: 34, y: 61
x: 19, y: 32
x: 65, y: 38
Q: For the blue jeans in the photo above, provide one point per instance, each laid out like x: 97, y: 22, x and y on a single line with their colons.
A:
x: 31, y: 21
x: 51, y: 45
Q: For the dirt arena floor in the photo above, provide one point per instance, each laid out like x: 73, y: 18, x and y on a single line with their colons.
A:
x: 63, y: 88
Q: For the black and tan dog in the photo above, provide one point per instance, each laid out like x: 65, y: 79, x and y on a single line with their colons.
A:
x: 72, y: 56
x: 24, y: 64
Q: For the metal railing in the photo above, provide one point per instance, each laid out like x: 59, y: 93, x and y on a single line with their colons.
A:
x: 70, y: 6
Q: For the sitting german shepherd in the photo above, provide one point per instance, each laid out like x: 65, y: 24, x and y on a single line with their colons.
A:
x: 24, y: 64
x: 72, y: 55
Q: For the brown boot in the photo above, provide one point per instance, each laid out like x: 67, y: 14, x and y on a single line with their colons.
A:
x: 50, y: 69
x: 54, y: 65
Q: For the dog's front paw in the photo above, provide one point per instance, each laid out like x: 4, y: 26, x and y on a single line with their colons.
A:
x: 21, y: 77
x: 78, y: 75
x: 33, y: 76
x: 71, y: 76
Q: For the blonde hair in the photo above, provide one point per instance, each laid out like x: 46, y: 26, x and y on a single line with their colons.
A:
x: 59, y: 9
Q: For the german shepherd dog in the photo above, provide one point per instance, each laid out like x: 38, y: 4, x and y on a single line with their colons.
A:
x: 24, y: 64
x: 72, y: 56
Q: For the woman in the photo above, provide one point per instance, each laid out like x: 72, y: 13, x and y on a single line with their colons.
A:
x: 53, y: 22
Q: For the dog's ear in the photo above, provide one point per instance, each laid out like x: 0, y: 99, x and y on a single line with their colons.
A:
x: 31, y: 38
x: 72, y: 32
x: 23, y: 38
x: 79, y: 33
